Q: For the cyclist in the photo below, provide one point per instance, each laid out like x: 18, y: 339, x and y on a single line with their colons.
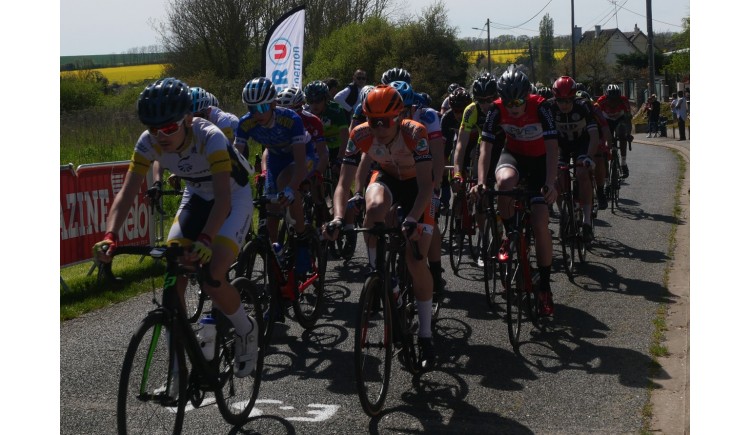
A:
x: 531, y: 152
x: 404, y: 175
x: 445, y: 105
x: 578, y: 137
x: 430, y: 119
x: 616, y: 108
x: 316, y: 150
x: 214, y: 214
x: 449, y: 125
x: 395, y: 74
x: 601, y: 158
x: 484, y: 92
x: 281, y: 134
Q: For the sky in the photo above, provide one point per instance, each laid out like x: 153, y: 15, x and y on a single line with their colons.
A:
x: 107, y: 26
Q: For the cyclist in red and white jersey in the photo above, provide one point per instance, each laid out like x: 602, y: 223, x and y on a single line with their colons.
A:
x: 402, y: 156
x: 531, y: 152
x: 616, y: 109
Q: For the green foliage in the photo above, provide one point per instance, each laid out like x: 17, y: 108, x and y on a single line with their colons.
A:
x: 81, y: 90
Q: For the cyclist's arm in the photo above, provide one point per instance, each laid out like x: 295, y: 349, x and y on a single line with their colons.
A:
x: 340, y: 98
x: 341, y: 195
x: 437, y: 148
x: 424, y: 195
x: 300, y: 166
x: 485, y: 153
x: 553, y: 155
x: 343, y: 139
x: 123, y: 201
x: 363, y: 173
x: 458, y: 157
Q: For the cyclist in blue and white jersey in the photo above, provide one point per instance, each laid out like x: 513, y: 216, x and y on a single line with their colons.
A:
x: 214, y: 214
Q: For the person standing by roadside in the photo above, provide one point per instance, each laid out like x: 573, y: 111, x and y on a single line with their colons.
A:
x: 673, y: 105
x: 348, y: 97
x: 681, y: 112
x: 653, y: 106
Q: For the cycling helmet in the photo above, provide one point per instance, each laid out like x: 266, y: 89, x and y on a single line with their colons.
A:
x: 484, y: 86
x: 365, y: 90
x: 316, y: 91
x: 533, y: 89
x: 423, y: 99
x: 459, y: 98
x: 383, y: 101
x: 583, y: 94
x: 613, y: 91
x: 564, y: 87
x: 546, y: 92
x: 213, y: 101
x: 259, y: 90
x: 395, y: 74
x: 200, y: 98
x: 513, y: 84
x: 164, y: 101
x: 291, y: 98
x: 406, y: 91
x: 452, y: 87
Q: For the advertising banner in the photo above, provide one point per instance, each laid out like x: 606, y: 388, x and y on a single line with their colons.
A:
x: 282, y: 50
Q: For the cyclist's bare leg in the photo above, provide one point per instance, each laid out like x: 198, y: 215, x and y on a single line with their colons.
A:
x: 377, y: 203
x: 585, y: 192
x: 224, y: 296
x: 507, y: 179
x: 542, y: 237
x: 420, y: 273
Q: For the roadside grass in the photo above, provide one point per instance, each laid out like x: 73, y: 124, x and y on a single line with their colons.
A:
x: 657, y: 349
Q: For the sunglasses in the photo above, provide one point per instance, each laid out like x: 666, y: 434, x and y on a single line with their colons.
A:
x: 259, y: 108
x: 166, y: 130
x: 518, y: 102
x: 564, y: 100
x: 484, y: 100
x: 381, y: 122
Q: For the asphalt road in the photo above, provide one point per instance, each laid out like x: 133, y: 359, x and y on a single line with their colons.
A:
x: 587, y: 373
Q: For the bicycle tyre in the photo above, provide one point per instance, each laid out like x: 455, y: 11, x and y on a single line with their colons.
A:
x: 406, y: 317
x: 456, y: 235
x: 143, y: 402
x: 194, y: 298
x: 308, y: 306
x: 493, y: 278
x: 237, y: 396
x: 474, y: 238
x: 568, y: 234
x: 580, y: 244
x: 270, y: 300
x: 373, y: 346
x: 614, y: 180
x: 516, y: 292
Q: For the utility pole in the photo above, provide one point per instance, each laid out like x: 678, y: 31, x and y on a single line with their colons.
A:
x: 489, y: 61
x: 531, y: 61
x: 651, y: 65
x: 572, y: 40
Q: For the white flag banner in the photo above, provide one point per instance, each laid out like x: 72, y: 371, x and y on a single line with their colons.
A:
x: 282, y: 58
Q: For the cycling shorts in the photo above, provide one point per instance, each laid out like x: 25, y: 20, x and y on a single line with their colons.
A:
x: 404, y: 192
x: 532, y: 169
x: 276, y: 166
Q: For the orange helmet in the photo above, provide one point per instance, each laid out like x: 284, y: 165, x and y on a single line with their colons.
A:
x: 383, y: 101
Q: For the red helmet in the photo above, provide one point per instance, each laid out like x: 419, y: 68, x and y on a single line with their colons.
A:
x: 564, y: 87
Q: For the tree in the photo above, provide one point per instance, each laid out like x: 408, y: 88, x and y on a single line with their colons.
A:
x: 545, y: 58
x: 678, y: 65
x: 591, y: 66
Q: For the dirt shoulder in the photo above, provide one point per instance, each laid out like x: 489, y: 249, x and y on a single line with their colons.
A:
x: 671, y: 394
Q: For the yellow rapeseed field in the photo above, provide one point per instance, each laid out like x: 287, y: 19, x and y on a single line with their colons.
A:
x: 502, y: 57
x: 128, y: 74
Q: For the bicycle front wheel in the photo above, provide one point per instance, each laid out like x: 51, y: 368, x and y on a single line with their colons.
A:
x: 309, y: 304
x: 456, y: 233
x: 194, y: 298
x: 237, y: 396
x: 153, y: 381
x: 373, y: 348
x: 568, y: 234
x: 614, y: 182
x: 516, y: 292
x: 493, y: 276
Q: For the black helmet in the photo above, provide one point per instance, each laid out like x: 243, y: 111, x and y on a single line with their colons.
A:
x: 459, y: 98
x: 513, y: 84
x: 452, y: 87
x: 484, y: 86
x: 164, y: 101
x: 395, y: 75
x: 316, y: 91
x: 613, y: 91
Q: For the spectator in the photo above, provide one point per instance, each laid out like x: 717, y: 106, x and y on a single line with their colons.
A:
x: 653, y: 107
x: 672, y: 103
x: 348, y: 97
x: 681, y: 112
x: 333, y: 86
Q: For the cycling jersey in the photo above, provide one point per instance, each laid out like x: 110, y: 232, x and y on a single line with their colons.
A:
x: 526, y: 134
x: 575, y: 126
x: 206, y: 151
x: 613, y: 109
x: 226, y: 122
x: 398, y: 158
x: 334, y: 119
x: 314, y: 127
x: 286, y: 131
x: 430, y: 118
x: 449, y: 126
x: 473, y: 121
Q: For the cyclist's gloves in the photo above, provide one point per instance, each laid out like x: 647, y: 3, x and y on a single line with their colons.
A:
x: 106, y: 246
x: 355, y: 202
x: 408, y: 227
x: 202, y: 248
x: 154, y: 192
x: 587, y: 162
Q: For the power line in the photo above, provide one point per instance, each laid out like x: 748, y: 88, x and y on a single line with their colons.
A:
x: 508, y: 27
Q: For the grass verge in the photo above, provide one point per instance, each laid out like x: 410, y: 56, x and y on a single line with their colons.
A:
x: 657, y: 349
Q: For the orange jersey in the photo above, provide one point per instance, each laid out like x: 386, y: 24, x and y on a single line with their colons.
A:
x: 398, y: 158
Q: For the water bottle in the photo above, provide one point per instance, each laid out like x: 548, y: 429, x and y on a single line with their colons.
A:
x: 277, y: 250
x: 207, y: 336
x: 395, y: 290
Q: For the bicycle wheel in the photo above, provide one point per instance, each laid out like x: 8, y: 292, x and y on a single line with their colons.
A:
x: 614, y: 180
x: 516, y: 292
x: 568, y: 233
x: 153, y: 381
x: 580, y: 245
x: 456, y: 234
x: 270, y: 302
x: 309, y: 304
x: 405, y: 317
x: 474, y: 238
x: 373, y: 348
x: 493, y: 276
x: 194, y: 298
x: 237, y: 396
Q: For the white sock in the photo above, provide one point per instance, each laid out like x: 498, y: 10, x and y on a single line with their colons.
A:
x: 424, y: 309
x: 240, y: 321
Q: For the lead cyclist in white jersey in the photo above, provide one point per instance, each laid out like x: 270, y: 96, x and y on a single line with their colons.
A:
x: 215, y: 211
